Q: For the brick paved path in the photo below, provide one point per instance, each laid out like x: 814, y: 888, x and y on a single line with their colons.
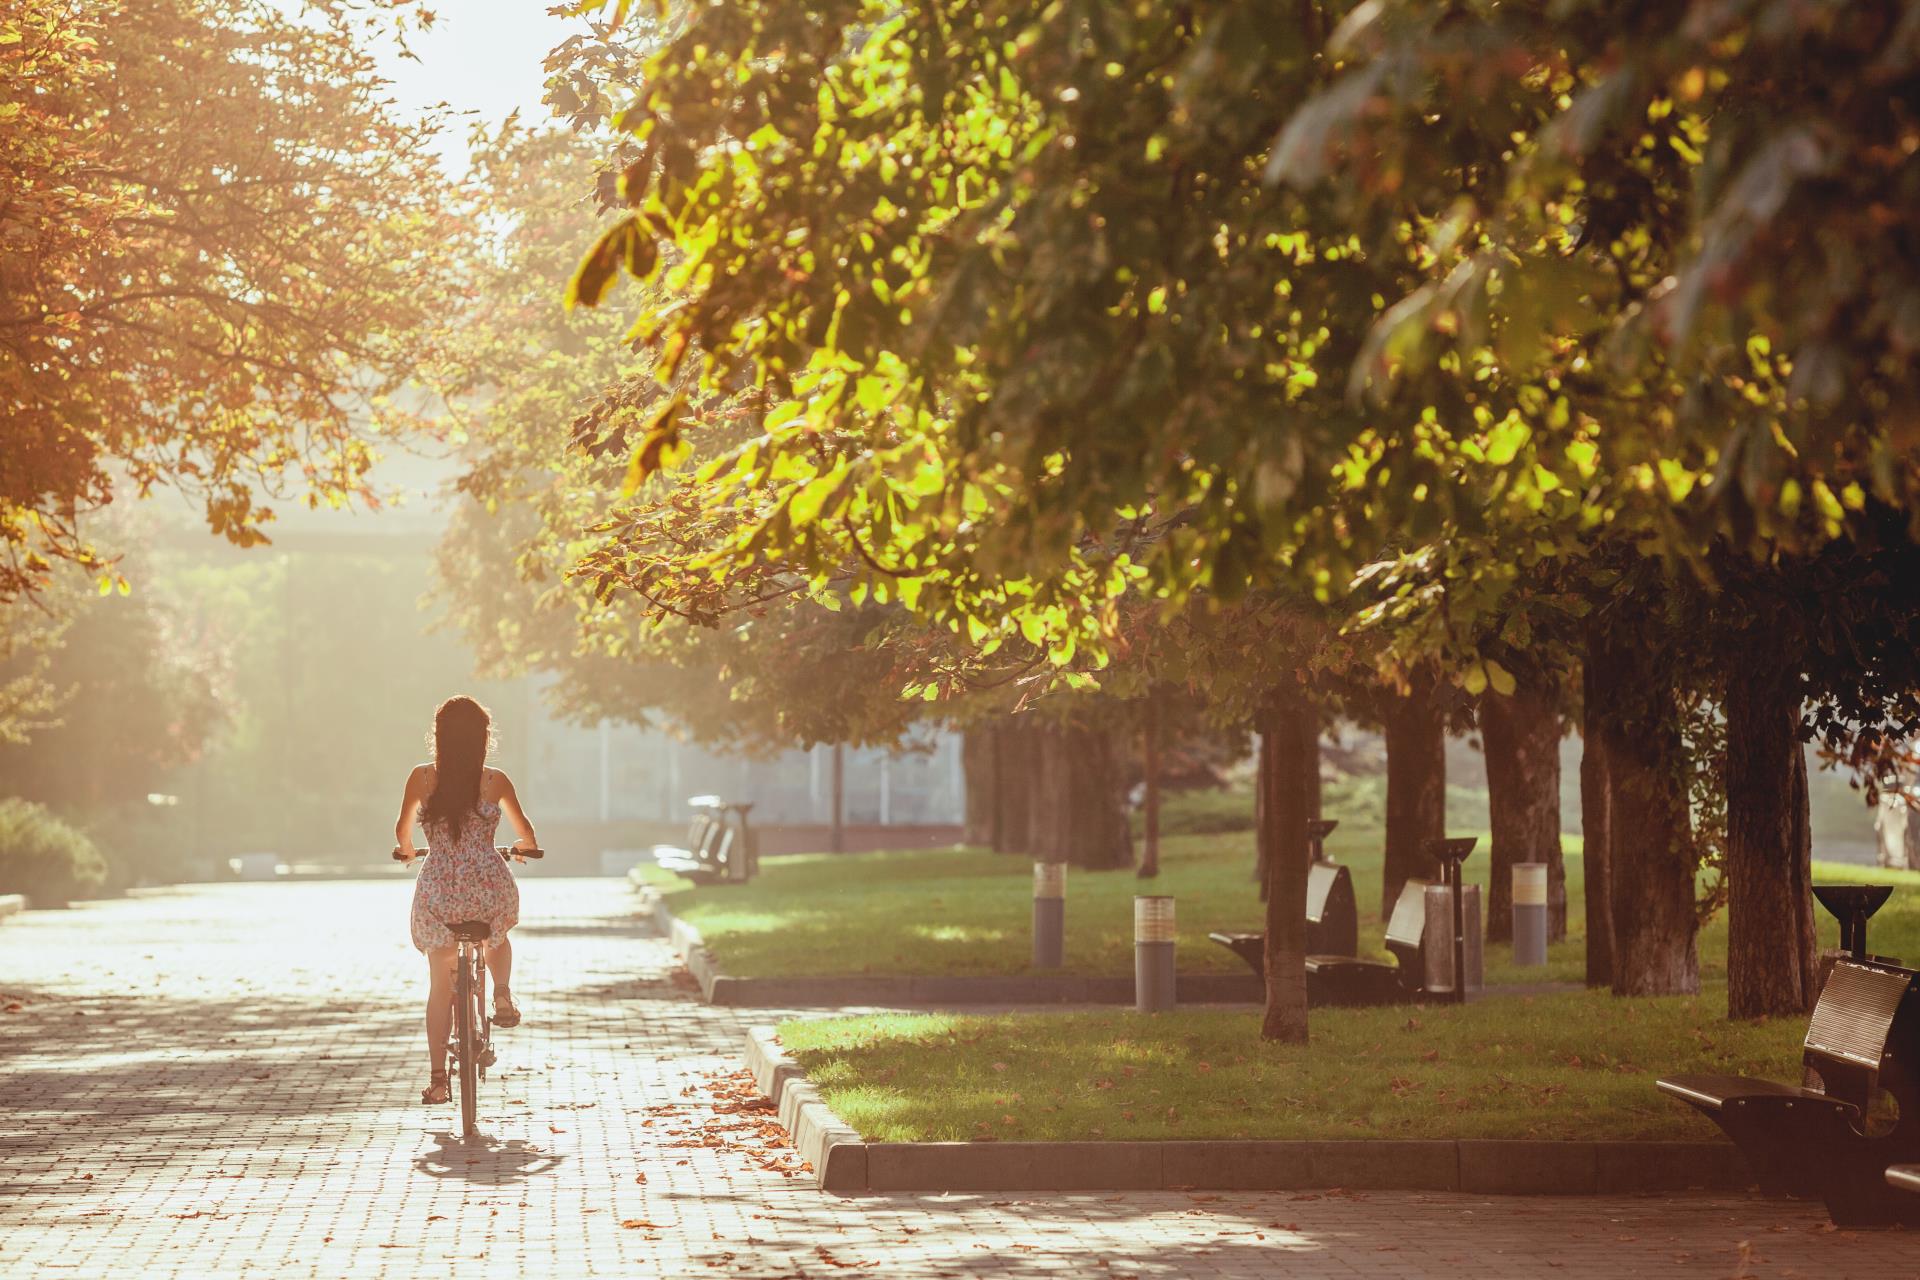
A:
x: 221, y: 1081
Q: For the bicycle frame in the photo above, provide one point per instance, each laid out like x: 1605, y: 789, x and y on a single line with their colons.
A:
x: 472, y: 1043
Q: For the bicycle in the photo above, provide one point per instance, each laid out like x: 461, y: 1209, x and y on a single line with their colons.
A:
x: 472, y: 1044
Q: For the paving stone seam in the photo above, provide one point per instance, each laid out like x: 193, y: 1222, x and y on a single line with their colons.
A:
x: 844, y: 1163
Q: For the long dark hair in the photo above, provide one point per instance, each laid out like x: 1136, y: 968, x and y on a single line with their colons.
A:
x: 462, y: 736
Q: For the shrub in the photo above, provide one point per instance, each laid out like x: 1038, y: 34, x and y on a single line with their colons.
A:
x: 43, y: 857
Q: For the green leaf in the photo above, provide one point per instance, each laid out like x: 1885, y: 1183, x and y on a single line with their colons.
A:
x: 1501, y: 679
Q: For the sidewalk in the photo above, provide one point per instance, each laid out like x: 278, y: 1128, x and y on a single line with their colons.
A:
x: 222, y: 1081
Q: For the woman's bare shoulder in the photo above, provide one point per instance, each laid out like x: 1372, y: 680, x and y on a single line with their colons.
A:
x: 420, y: 775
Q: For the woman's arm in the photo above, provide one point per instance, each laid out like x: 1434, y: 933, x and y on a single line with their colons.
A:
x: 510, y: 805
x: 410, y: 801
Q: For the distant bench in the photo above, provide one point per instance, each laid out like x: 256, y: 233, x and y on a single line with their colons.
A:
x: 1335, y: 973
x: 719, y: 847
x: 1831, y: 1142
x: 1333, y: 919
x: 1338, y: 977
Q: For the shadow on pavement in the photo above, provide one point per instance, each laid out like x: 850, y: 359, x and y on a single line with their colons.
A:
x: 484, y: 1160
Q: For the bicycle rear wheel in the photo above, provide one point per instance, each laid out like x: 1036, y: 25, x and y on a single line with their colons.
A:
x: 468, y: 1033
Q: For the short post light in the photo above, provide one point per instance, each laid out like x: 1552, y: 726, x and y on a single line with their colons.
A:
x: 1153, y: 941
x: 1529, y: 913
x: 1049, y: 914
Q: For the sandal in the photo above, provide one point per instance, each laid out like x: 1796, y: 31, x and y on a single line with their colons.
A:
x: 436, y: 1093
x: 505, y: 1012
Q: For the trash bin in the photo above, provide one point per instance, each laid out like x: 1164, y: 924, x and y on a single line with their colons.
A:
x: 1437, y: 940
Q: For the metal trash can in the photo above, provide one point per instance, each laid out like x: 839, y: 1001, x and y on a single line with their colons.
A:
x: 1437, y: 940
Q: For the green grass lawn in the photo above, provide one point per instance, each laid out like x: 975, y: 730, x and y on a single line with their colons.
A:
x: 944, y: 912
x: 1579, y: 1065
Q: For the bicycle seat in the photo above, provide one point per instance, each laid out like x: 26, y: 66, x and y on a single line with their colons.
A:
x: 471, y: 930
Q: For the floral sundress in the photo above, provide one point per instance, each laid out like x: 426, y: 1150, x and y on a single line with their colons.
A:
x: 463, y: 879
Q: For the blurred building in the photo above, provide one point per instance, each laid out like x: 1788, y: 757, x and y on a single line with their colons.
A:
x: 618, y: 773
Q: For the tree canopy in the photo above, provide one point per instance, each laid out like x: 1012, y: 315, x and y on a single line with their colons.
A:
x: 223, y: 246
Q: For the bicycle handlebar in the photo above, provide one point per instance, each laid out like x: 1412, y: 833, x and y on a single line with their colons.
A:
x: 504, y: 850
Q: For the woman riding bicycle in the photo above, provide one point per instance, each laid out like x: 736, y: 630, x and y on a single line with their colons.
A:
x: 459, y: 802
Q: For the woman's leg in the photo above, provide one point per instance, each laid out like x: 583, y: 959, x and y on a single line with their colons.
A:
x: 500, y: 965
x: 440, y: 964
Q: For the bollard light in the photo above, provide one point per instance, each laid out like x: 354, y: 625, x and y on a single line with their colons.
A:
x: 1153, y: 943
x: 1049, y: 914
x: 1529, y: 913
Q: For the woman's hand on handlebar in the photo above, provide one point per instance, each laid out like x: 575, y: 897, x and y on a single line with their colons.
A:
x: 404, y: 855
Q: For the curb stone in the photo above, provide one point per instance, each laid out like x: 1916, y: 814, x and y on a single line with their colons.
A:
x: 12, y: 904
x: 856, y: 991
x: 824, y: 1141
x: 1486, y: 1166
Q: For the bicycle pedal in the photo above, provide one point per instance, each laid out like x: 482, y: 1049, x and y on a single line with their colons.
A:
x: 487, y: 1058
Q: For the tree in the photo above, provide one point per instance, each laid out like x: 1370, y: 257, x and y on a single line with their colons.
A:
x: 1520, y: 733
x: 1289, y: 780
x: 137, y: 703
x: 1416, y: 733
x: 1018, y: 287
x: 1634, y: 712
x: 29, y: 701
x: 223, y: 246
x: 1596, y: 830
x: 524, y: 383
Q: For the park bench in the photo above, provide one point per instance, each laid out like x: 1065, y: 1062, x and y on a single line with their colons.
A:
x: 1345, y: 979
x: 1830, y: 1142
x: 1333, y: 914
x: 1339, y: 977
x: 719, y: 848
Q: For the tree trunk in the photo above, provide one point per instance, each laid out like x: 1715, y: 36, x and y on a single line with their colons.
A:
x: 1652, y: 863
x: 1289, y: 781
x: 1261, y: 800
x: 1771, y: 954
x: 1521, y: 736
x: 1416, y: 788
x: 1078, y: 803
x: 1150, y: 844
x: 1910, y: 836
x: 1596, y: 825
x: 839, y: 797
x: 979, y: 763
x: 1015, y: 750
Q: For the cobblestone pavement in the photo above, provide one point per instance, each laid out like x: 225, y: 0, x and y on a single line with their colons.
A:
x: 222, y: 1081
